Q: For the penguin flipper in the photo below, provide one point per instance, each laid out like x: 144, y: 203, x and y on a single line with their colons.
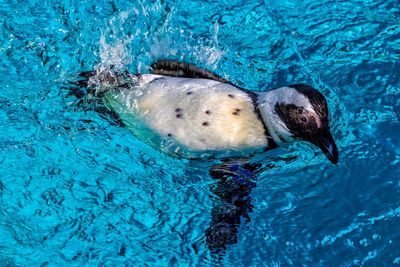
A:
x: 181, y: 69
x: 232, y: 187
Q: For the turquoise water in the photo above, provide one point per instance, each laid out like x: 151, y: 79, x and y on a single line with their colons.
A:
x: 78, y: 190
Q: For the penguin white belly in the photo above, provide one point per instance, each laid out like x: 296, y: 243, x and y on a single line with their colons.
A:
x: 199, y: 114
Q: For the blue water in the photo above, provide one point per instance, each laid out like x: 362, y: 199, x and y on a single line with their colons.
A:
x: 79, y: 190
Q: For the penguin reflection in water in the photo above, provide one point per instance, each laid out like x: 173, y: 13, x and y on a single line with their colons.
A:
x: 193, y: 113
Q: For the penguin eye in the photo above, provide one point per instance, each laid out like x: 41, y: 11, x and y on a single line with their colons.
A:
x: 303, y: 119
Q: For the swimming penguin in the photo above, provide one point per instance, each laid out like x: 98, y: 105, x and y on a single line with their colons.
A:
x: 192, y: 112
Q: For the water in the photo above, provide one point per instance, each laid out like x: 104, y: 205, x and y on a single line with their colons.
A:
x: 78, y: 190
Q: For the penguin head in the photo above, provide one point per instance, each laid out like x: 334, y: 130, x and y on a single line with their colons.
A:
x: 300, y: 112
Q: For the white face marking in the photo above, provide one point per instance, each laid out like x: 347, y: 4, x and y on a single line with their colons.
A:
x: 288, y: 95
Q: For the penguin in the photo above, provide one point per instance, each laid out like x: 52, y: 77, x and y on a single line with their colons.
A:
x: 191, y: 112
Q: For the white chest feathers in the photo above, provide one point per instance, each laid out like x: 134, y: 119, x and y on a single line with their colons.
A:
x: 199, y: 114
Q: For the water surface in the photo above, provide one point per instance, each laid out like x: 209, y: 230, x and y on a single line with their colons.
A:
x: 78, y: 190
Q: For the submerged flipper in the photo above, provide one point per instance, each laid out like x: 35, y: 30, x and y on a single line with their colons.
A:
x: 234, y: 183
x: 182, y: 69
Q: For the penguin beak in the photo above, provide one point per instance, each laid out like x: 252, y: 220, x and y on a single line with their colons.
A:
x: 328, y: 146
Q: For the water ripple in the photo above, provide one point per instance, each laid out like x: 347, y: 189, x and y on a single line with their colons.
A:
x: 76, y: 189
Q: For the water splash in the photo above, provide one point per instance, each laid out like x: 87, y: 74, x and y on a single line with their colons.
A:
x: 144, y: 43
x: 114, y: 42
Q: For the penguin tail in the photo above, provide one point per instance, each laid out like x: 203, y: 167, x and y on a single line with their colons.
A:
x: 89, y: 88
x: 95, y: 83
x: 80, y: 88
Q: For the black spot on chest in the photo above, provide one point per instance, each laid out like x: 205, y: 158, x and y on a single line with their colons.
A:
x: 205, y: 124
x: 179, y: 113
x: 236, y: 112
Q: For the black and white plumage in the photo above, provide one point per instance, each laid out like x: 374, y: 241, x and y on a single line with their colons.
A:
x: 183, y: 109
x: 198, y: 111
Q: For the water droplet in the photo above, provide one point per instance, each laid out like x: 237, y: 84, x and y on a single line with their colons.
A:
x: 326, y: 240
x: 267, y: 237
x: 371, y: 253
x: 364, y: 242
x: 350, y: 243
x: 376, y: 236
